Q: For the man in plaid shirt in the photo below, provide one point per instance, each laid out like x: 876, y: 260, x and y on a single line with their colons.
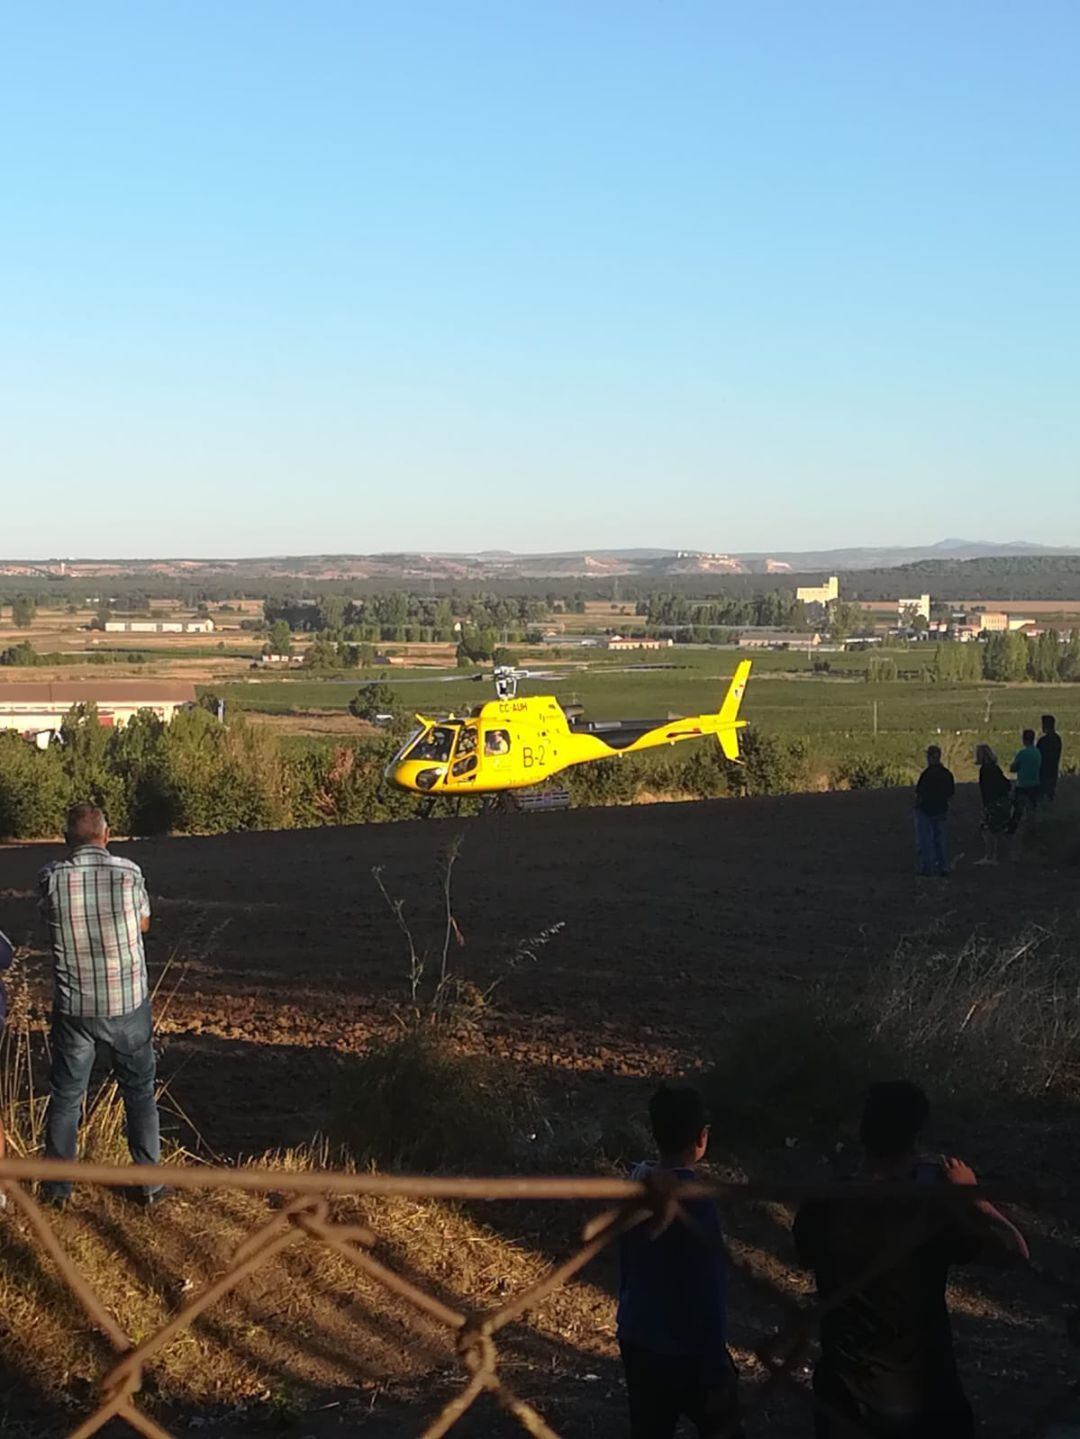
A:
x: 97, y: 910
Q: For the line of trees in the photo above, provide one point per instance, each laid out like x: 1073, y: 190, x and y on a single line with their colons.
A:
x: 1011, y: 657
x: 195, y: 775
x: 774, y: 608
x: 403, y: 617
x: 718, y: 621
x: 24, y: 655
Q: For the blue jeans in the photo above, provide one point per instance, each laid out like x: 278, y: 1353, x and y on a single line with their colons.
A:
x: 128, y: 1041
x: 930, y: 833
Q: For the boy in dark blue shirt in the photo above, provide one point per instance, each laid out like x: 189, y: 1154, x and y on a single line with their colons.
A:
x: 672, y: 1319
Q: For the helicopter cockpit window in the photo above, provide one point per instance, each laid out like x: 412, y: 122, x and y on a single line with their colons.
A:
x: 497, y: 741
x: 466, y: 741
x: 435, y: 744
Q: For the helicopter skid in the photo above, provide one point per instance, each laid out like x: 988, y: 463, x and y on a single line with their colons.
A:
x: 521, y: 801
x: 533, y: 800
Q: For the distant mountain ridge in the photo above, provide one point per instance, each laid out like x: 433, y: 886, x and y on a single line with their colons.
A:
x: 482, y: 565
x: 890, y: 556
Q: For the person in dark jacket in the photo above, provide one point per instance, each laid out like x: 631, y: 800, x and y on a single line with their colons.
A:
x: 996, y: 793
x: 933, y: 792
x: 1049, y: 747
x: 887, y: 1366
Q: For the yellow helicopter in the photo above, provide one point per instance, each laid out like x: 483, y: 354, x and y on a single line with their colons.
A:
x: 514, y: 743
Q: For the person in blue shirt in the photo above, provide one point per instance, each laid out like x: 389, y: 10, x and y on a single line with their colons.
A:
x: 1027, y: 767
x: 672, y: 1316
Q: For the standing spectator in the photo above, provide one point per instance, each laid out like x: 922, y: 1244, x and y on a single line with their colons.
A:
x: 97, y: 910
x: 1027, y: 767
x: 996, y: 794
x: 1049, y: 746
x: 933, y: 792
x: 887, y: 1365
x: 7, y: 954
x: 672, y: 1318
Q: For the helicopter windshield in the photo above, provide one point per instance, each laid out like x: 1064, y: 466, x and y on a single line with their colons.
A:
x: 434, y: 744
x: 414, y: 735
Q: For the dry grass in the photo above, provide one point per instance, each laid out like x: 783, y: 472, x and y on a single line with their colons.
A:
x: 308, y: 1325
x: 986, y: 1018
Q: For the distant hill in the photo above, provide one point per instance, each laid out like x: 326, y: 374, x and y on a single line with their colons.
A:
x: 889, y: 557
x: 505, y: 566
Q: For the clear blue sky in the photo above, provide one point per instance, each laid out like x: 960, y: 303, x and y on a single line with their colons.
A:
x: 541, y: 274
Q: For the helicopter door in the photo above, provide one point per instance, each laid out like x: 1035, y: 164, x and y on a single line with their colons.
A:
x: 466, y: 764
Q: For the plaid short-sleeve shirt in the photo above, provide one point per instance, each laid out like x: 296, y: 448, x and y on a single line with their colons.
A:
x: 93, y: 903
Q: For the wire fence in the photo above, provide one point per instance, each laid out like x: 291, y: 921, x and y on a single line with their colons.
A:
x: 305, y: 1218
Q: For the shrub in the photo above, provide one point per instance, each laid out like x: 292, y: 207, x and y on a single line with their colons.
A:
x: 373, y: 700
x: 84, y: 757
x: 137, y: 754
x: 415, y: 1101
x: 865, y: 771
x: 770, y: 764
x: 795, y: 1069
x: 34, y: 790
x: 606, y: 781
x: 23, y: 654
x: 703, y: 772
x: 346, y: 785
x: 224, y: 776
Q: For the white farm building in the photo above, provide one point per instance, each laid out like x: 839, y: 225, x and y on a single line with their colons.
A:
x: 159, y: 627
x: 37, y: 709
